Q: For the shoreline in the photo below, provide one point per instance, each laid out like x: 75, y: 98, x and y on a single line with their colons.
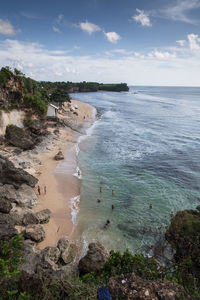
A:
x: 59, y: 178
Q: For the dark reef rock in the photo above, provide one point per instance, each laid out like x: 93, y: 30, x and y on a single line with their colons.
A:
x: 18, y: 137
x: 94, y: 259
x: 9, y: 174
x: 35, y: 233
x: 184, y: 236
x: 59, y: 156
x: 132, y: 287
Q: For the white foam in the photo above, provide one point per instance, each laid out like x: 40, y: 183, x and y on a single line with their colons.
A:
x: 74, y: 206
x: 78, y: 173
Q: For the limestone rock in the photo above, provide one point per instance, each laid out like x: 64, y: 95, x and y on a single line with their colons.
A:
x: 35, y: 233
x: 25, y: 196
x: 132, y: 287
x: 7, y: 231
x: 31, y: 257
x: 9, y: 174
x: 30, y: 218
x: 18, y: 137
x: 36, y: 126
x: 43, y: 216
x: 94, y: 259
x: 5, y: 206
x: 69, y: 254
x: 63, y: 244
x: 59, y: 156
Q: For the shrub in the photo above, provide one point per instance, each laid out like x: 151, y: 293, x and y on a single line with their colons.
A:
x: 36, y: 103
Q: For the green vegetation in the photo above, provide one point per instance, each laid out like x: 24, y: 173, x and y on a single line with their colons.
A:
x: 36, y: 103
x: 59, y: 96
x: 84, y: 86
x: 5, y: 75
x: 10, y: 258
x: 85, y: 287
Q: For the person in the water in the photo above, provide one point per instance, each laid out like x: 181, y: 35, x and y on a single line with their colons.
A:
x: 107, y: 223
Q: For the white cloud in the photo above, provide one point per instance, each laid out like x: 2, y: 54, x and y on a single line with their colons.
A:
x: 56, y: 29
x: 194, y: 41
x: 158, y: 67
x: 142, y: 18
x: 181, y: 42
x: 6, y: 28
x: 161, y: 55
x: 112, y: 37
x: 179, y: 11
x: 59, y: 19
x: 89, y: 27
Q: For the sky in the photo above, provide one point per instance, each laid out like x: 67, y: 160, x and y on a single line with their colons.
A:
x: 140, y: 42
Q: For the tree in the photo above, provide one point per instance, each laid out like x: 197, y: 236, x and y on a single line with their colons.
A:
x: 59, y: 96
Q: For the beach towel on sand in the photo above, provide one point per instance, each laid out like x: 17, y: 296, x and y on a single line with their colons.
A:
x: 103, y: 293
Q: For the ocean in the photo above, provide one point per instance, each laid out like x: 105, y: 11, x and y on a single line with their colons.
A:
x: 145, y: 146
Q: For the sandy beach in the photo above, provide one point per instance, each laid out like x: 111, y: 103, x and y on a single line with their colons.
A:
x: 61, y: 185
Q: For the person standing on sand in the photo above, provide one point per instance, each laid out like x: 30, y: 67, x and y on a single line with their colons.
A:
x: 38, y: 189
x: 45, y: 190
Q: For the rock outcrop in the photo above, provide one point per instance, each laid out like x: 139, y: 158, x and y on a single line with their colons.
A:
x: 43, y: 216
x: 35, y: 233
x: 132, y: 287
x: 59, y: 156
x: 9, y: 174
x: 18, y: 137
x: 12, y: 93
x: 94, y: 259
x: 49, y: 261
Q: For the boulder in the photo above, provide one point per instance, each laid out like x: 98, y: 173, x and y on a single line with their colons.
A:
x: 69, y: 254
x: 35, y: 233
x: 132, y: 287
x: 6, y: 219
x: 29, y: 218
x: 18, y: 137
x: 48, y: 261
x: 43, y: 215
x: 36, y: 126
x: 59, y: 156
x: 9, y: 174
x: 31, y: 257
x: 7, y: 231
x: 5, y: 206
x: 25, y: 196
x: 95, y: 258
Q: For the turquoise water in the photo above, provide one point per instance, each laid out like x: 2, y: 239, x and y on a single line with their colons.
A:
x: 146, y: 147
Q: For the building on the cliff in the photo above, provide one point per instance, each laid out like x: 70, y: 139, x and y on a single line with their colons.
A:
x: 52, y: 110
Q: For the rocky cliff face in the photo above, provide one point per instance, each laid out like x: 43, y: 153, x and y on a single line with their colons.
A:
x: 12, y: 94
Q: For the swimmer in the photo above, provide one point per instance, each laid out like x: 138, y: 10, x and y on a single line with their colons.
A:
x: 107, y: 223
x: 112, y: 206
x: 98, y: 200
x: 150, y: 205
x: 79, y: 173
x: 113, y: 192
x: 100, y: 190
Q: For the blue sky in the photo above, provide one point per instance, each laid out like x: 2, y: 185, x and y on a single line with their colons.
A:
x: 139, y: 42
